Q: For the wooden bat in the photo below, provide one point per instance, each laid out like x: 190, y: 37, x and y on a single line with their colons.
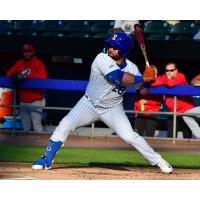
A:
x: 140, y: 40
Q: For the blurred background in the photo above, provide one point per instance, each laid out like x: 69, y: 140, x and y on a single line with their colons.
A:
x: 68, y: 47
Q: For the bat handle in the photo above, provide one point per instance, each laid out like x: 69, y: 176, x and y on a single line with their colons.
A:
x: 147, y: 64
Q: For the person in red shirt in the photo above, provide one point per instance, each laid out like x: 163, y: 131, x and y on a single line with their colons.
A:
x: 173, y: 77
x: 30, y: 67
x: 196, y: 80
x: 146, y: 124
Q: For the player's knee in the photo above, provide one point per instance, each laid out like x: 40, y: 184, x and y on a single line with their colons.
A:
x: 66, y: 124
x: 129, y: 138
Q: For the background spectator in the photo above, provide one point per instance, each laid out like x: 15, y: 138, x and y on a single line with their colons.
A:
x: 172, y: 22
x: 146, y: 124
x: 184, y: 104
x: 197, y: 35
x: 196, y: 80
x: 126, y: 26
x: 29, y: 67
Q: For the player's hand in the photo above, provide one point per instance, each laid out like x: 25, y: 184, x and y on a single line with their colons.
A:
x: 144, y: 91
x: 143, y: 101
x: 150, y: 74
x: 17, y: 78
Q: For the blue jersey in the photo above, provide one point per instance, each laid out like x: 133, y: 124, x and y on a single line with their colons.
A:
x: 100, y: 90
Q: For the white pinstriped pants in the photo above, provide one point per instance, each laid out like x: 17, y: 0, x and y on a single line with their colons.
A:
x: 191, y: 123
x: 85, y: 113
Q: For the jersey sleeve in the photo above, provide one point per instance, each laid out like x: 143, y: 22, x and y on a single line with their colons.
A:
x: 135, y: 71
x: 105, y: 64
x: 132, y: 69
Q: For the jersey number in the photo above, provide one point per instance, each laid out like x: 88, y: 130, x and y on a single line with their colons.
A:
x: 119, y: 89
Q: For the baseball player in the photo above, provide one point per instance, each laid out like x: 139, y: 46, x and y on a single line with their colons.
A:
x: 111, y: 73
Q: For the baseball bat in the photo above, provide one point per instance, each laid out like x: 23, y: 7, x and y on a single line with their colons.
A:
x: 140, y: 40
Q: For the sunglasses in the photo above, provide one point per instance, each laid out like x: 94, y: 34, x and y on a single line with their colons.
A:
x: 170, y: 70
x: 114, y: 48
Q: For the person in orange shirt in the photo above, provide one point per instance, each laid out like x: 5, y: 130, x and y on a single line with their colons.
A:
x: 185, y: 104
x: 29, y: 67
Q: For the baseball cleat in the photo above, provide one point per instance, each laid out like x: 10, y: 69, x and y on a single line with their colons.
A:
x: 46, y: 160
x: 42, y: 164
x: 165, y: 166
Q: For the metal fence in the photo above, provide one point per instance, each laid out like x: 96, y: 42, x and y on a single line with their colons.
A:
x: 187, y: 90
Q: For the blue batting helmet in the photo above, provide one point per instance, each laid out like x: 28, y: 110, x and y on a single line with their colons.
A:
x: 122, y: 41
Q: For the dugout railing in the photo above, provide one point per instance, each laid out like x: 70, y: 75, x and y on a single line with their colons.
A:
x: 80, y: 85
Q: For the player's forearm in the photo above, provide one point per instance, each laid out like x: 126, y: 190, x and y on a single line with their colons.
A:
x: 129, y: 79
x: 124, y: 78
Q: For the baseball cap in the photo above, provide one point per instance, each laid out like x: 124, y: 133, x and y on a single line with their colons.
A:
x: 27, y: 48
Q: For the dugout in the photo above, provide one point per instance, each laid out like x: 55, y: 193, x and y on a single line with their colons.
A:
x: 71, y: 58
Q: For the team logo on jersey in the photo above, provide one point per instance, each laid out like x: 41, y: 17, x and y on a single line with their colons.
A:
x: 119, y: 89
x: 114, y: 37
x: 26, y: 71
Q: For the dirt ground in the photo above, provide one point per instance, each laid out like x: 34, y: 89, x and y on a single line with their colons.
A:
x: 23, y: 171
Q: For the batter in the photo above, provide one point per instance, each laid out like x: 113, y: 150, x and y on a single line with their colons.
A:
x: 111, y: 73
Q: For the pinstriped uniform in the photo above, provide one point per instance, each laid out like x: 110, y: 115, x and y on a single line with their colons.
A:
x: 103, y: 101
x: 191, y: 122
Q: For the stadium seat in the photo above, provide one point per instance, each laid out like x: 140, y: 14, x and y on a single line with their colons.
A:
x: 76, y: 26
x: 159, y: 37
x: 183, y: 37
x: 7, y: 27
x: 157, y: 27
x: 157, y: 24
x: 52, y: 34
x: 52, y: 25
x: 6, y: 33
x: 102, y: 35
x: 102, y: 26
x: 184, y: 28
x: 26, y: 25
x: 27, y: 33
x: 79, y: 35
